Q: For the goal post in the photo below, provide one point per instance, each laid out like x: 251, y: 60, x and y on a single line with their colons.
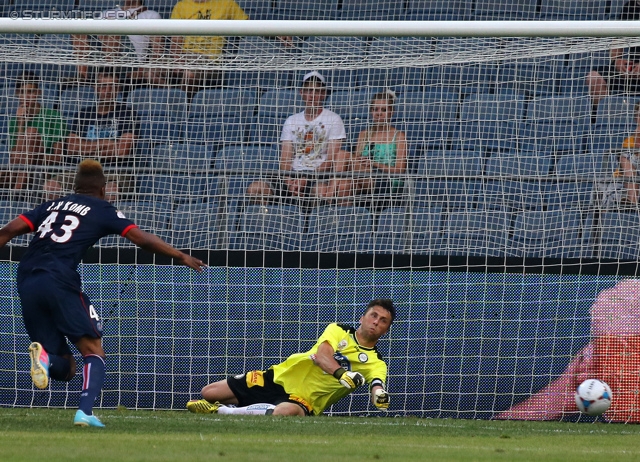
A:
x: 510, y: 244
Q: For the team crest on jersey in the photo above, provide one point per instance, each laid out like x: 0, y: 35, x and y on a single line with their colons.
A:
x: 342, y: 344
x: 363, y: 358
x: 120, y: 214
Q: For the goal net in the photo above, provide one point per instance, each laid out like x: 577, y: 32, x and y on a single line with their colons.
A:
x: 497, y: 206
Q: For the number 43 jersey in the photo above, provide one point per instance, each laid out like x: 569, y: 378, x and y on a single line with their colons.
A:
x: 64, y: 229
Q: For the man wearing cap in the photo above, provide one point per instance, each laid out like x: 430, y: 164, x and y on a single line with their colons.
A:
x: 311, y: 142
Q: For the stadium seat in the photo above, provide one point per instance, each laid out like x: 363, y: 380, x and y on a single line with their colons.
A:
x: 553, y: 234
x: 578, y: 66
x: 167, y: 103
x: 57, y: 47
x: 504, y: 10
x: 575, y: 177
x: 489, y: 122
x: 352, y: 49
x: 619, y: 235
x: 425, y: 226
x: 257, y: 9
x: 428, y: 119
x: 295, y: 10
x: 256, y: 160
x: 182, y: 157
x: 195, y: 226
x: 517, y: 181
x: 615, y: 112
x: 270, y: 227
x: 74, y: 99
x: 371, y: 10
x: 436, y: 10
x: 273, y: 109
x: 556, y: 125
x: 476, y: 233
x: 163, y: 7
x: 452, y: 178
x: 173, y: 188
x: 95, y: 5
x: 272, y: 50
x: 340, y: 229
x: 574, y: 10
x: 390, y: 231
x: 49, y: 5
x: 606, y: 140
x: 532, y: 77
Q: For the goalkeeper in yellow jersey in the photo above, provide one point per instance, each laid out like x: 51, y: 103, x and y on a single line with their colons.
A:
x: 342, y: 360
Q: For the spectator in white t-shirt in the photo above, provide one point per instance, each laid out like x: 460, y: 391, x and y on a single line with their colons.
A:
x: 141, y: 48
x: 311, y: 144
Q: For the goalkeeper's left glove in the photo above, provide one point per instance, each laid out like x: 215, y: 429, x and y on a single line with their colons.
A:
x: 381, y: 398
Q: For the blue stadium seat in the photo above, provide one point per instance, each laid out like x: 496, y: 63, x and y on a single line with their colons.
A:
x: 425, y: 226
x: 49, y: 5
x: 371, y: 10
x: 347, y: 48
x: 452, y: 178
x: 619, y: 235
x: 476, y: 233
x: 615, y: 112
x: 182, y: 157
x: 340, y: 229
x: 577, y: 67
x: 273, y: 227
x: 195, y: 226
x: 57, y: 47
x: 574, y: 10
x: 553, y: 234
x: 163, y: 7
x: 167, y: 103
x: 151, y: 216
x: 517, y: 181
x: 531, y: 76
x: 95, y: 5
x: 504, y: 10
x: 575, y: 177
x: 159, y: 129
x: 257, y: 9
x: 353, y: 106
x: 295, y: 10
x: 556, y: 125
x: 605, y: 140
x: 256, y: 160
x: 173, y: 188
x: 270, y: 49
x: 390, y: 232
x: 74, y: 99
x: 428, y: 119
x: 273, y: 109
x: 10, y: 209
x: 489, y: 122
x: 8, y: 102
x: 436, y: 10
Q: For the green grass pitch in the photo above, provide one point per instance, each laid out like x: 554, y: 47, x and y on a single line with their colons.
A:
x: 47, y: 434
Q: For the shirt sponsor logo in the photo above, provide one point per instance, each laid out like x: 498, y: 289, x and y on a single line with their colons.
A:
x: 255, y: 379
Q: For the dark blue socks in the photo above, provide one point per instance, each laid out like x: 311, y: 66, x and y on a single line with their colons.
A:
x: 93, y: 374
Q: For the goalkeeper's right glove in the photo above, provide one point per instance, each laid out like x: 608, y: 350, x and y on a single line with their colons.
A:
x: 349, y: 379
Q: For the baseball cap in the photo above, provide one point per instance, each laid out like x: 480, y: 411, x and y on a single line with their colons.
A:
x: 312, y: 75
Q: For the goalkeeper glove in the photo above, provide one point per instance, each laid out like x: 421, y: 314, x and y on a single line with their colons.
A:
x: 381, y: 398
x: 348, y: 379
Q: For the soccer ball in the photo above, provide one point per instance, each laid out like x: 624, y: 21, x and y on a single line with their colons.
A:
x: 593, y: 397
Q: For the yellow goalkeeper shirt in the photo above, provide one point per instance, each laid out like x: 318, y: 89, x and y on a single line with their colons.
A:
x: 306, y: 382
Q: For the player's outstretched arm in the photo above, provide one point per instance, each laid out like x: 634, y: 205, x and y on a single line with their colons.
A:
x: 379, y: 397
x: 324, y: 360
x: 14, y: 228
x: 153, y: 243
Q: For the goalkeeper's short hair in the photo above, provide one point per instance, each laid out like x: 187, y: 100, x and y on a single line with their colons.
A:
x: 385, y: 303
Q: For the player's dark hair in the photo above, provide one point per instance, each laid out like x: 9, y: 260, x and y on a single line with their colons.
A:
x: 385, y: 303
x: 89, y: 178
x: 27, y: 78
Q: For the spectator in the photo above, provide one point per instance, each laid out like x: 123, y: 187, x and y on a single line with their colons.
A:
x: 139, y: 47
x: 381, y: 149
x: 629, y: 161
x: 112, y: 191
x: 36, y: 133
x: 311, y: 142
x: 195, y: 48
x: 52, y: 188
x: 106, y: 130
x: 622, y: 75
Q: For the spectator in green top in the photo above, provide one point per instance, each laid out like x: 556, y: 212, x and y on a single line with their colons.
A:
x: 36, y: 133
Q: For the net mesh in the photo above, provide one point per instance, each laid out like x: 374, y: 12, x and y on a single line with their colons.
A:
x: 511, y: 155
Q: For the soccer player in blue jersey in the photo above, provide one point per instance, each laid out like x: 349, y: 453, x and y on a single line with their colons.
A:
x: 307, y: 383
x: 54, y: 308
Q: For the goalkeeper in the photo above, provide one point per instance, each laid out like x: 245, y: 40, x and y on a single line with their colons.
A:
x: 342, y: 360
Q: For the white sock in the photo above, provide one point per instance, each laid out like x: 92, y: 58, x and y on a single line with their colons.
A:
x: 254, y: 409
